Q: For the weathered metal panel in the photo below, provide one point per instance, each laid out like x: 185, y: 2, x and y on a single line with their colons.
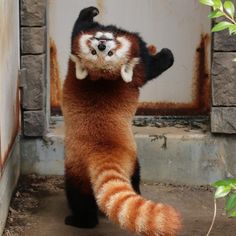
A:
x: 9, y: 65
x: 180, y: 25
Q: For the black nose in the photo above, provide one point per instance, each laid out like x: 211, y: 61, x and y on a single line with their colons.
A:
x: 101, y: 47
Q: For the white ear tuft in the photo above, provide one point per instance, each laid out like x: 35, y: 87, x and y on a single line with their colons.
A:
x: 127, y: 70
x: 81, y: 73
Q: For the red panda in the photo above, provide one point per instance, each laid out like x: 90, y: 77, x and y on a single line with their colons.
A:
x: 106, y: 69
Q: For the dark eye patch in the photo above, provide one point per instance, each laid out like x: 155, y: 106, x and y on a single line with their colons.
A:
x: 93, y: 52
x: 110, y: 53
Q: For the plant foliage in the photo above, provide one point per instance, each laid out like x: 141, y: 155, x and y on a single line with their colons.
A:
x: 227, y: 188
x: 225, y: 10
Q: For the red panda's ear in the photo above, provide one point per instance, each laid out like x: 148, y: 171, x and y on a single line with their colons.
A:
x: 152, y: 50
x: 81, y: 72
x: 127, y: 69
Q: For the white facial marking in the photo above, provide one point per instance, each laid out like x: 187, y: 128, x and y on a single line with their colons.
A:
x: 110, y: 45
x: 83, y: 43
x: 109, y: 42
x: 98, y: 34
x: 108, y: 58
x: 127, y: 70
x: 81, y: 73
x: 125, y: 46
x: 109, y: 35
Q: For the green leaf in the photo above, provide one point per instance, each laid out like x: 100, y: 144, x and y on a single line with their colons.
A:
x: 215, y: 14
x: 225, y: 182
x: 207, y: 2
x: 233, y: 214
x: 221, y: 26
x: 232, y: 29
x: 217, y: 4
x: 231, y: 202
x: 229, y: 7
x: 222, y: 191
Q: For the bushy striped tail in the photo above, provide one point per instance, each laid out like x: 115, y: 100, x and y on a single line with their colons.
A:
x: 116, y: 198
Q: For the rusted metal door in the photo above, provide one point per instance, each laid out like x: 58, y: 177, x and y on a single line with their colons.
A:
x: 180, y: 25
x: 9, y: 65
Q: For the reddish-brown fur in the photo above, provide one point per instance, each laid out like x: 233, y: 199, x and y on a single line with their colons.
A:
x: 152, y: 49
x: 98, y: 114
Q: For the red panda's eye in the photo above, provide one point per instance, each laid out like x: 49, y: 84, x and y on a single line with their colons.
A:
x: 110, y: 53
x: 94, y: 52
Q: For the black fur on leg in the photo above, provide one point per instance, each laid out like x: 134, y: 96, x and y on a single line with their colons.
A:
x: 135, y: 179
x: 83, y: 207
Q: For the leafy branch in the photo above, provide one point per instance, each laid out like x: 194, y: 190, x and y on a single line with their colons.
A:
x: 227, y: 188
x: 225, y: 10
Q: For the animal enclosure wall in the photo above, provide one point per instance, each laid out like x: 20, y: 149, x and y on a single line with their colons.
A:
x: 180, y: 25
x: 9, y: 65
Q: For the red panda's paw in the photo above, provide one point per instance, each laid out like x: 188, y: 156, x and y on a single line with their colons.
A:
x: 87, y: 14
x: 152, y: 49
x: 167, y: 58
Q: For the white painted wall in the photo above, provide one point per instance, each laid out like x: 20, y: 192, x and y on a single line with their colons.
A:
x: 9, y: 65
x: 176, y: 24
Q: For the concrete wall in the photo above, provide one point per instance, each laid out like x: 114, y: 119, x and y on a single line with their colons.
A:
x: 9, y: 67
x: 9, y: 103
x: 169, y: 155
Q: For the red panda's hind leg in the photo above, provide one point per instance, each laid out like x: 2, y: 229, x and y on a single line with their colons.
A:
x: 84, y: 210
x: 135, y: 178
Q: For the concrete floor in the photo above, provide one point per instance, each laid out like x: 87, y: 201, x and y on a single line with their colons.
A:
x: 51, y: 220
x: 38, y: 211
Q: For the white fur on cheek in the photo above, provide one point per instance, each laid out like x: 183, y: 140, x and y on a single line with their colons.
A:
x: 125, y: 46
x: 81, y: 73
x: 83, y: 43
x: 111, y: 45
x: 127, y: 70
x: 94, y: 43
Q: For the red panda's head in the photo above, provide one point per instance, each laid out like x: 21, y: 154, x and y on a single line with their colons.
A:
x: 104, y: 54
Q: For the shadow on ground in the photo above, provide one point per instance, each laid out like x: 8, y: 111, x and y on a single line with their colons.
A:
x: 39, y: 207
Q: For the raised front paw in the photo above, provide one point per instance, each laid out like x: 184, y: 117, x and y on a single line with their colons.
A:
x: 166, y: 58
x: 87, y: 14
x: 160, y: 62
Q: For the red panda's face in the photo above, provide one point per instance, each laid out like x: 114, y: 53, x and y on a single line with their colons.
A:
x: 105, y: 55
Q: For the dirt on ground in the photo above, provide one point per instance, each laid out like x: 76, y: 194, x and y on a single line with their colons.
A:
x: 39, y: 206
